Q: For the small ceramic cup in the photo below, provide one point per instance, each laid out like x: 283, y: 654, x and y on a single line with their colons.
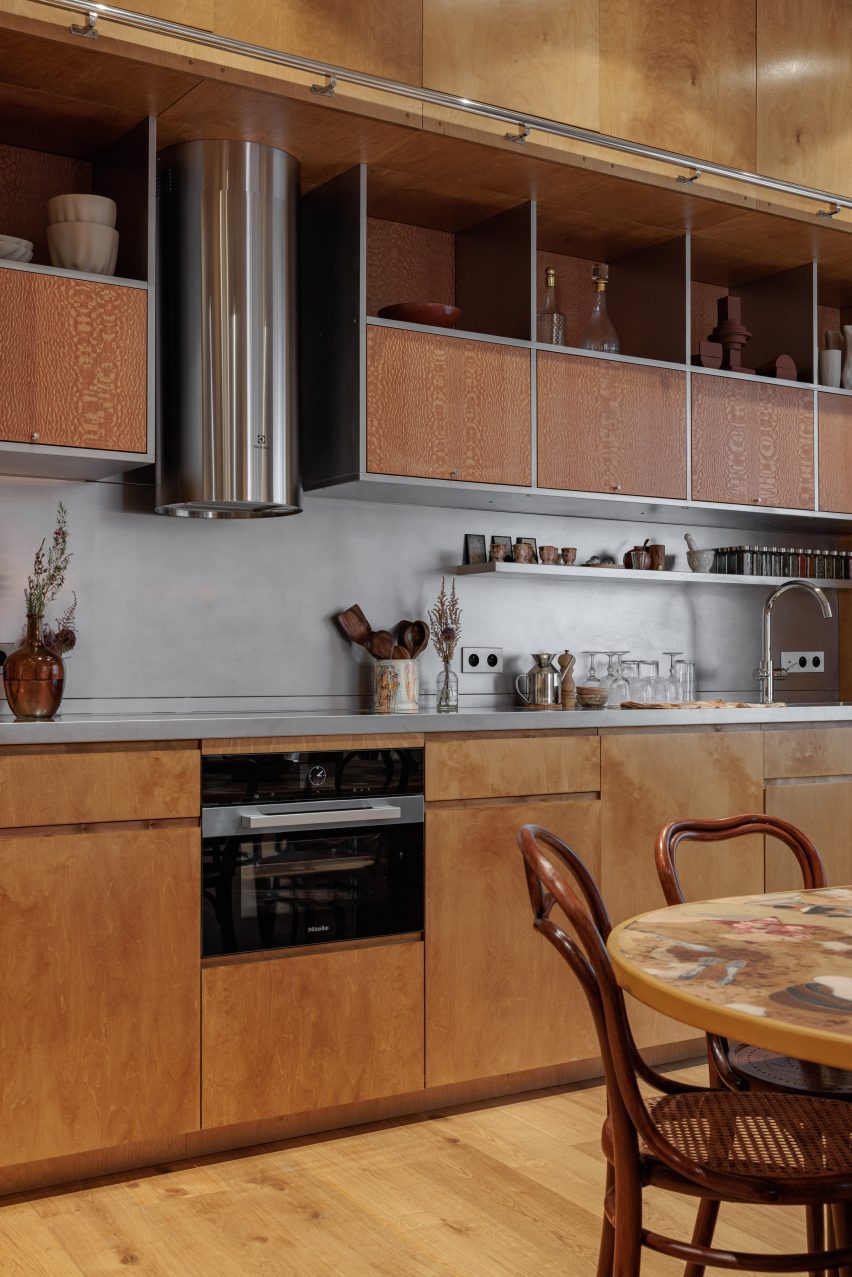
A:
x: 498, y: 552
x: 521, y: 552
x: 658, y: 557
x: 548, y: 553
x: 830, y: 362
x: 569, y: 555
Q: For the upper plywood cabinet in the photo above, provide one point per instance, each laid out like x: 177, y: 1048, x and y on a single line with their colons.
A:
x: 804, y: 92
x: 382, y: 37
x: 680, y: 75
x: 540, y: 58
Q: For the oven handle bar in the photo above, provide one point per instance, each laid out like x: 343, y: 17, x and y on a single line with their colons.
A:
x: 368, y: 815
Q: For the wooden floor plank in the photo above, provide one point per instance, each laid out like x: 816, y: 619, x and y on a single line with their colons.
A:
x: 499, y: 1190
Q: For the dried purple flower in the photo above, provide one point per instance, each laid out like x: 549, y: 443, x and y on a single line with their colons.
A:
x: 48, y: 574
x: 445, y: 623
x: 64, y: 638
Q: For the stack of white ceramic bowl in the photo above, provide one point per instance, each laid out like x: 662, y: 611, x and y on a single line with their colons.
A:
x: 81, y: 234
x: 13, y: 249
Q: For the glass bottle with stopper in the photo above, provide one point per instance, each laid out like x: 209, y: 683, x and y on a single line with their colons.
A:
x: 550, y: 327
x: 600, y: 334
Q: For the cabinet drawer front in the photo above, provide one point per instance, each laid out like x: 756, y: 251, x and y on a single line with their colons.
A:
x: 492, y: 767
x: 287, y: 1035
x: 498, y: 1001
x: 752, y: 443
x: 447, y: 408
x: 85, y: 788
x: 821, y: 751
x: 605, y: 426
x: 823, y: 811
x: 73, y: 362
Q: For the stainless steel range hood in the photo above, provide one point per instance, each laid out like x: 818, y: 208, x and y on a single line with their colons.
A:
x: 226, y: 331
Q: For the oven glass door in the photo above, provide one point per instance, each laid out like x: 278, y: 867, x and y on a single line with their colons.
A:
x: 280, y: 889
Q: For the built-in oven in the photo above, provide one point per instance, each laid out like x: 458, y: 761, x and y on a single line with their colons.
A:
x: 310, y: 847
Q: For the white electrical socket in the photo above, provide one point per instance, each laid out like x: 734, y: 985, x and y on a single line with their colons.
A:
x: 803, y: 662
x: 482, y: 660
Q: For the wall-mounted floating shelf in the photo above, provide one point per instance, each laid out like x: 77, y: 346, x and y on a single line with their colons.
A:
x: 556, y: 572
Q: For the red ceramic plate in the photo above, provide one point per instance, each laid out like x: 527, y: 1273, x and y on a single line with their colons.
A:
x: 434, y: 313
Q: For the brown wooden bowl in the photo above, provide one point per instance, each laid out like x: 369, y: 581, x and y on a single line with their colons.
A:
x: 434, y: 313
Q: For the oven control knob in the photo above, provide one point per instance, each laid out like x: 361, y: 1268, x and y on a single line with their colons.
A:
x: 317, y: 777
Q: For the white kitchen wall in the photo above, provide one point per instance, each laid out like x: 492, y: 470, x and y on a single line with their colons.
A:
x: 178, y: 613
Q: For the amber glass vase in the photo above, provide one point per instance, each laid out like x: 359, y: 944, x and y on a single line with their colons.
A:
x: 33, y: 676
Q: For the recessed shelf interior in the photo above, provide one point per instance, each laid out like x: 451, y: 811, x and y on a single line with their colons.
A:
x: 29, y: 178
x: 482, y: 267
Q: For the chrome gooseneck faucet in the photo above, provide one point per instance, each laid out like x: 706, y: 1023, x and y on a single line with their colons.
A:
x: 765, y: 673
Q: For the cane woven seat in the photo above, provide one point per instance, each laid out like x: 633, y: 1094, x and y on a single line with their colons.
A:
x: 758, y: 1133
x: 783, y: 1073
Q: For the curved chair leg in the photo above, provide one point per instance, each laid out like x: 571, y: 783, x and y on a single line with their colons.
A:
x: 815, y: 1219
x: 607, y: 1247
x: 628, y: 1231
x: 702, y: 1233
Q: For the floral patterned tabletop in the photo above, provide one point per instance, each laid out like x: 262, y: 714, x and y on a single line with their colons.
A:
x: 772, y: 970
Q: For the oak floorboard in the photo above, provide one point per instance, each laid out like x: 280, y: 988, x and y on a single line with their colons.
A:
x: 499, y: 1189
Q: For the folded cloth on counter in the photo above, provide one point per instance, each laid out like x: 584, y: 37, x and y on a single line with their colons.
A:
x: 700, y: 705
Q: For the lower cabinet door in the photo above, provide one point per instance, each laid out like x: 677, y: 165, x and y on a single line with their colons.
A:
x: 310, y: 1031
x: 99, y: 1002
x: 822, y: 809
x: 649, y: 779
x: 499, y: 999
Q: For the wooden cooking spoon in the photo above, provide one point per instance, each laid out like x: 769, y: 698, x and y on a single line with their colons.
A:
x: 379, y: 643
x: 354, y: 624
x: 413, y: 635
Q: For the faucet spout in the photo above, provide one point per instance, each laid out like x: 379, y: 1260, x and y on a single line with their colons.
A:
x: 765, y: 673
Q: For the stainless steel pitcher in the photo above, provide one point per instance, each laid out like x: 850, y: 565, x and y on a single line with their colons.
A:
x: 542, y: 684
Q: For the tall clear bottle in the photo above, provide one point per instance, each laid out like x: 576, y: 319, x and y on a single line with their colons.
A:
x: 600, y: 334
x: 550, y: 327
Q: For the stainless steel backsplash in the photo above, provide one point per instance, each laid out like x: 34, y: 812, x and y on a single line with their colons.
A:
x: 184, y: 613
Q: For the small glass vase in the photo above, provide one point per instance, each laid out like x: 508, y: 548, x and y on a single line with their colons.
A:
x: 34, y: 676
x: 447, y: 691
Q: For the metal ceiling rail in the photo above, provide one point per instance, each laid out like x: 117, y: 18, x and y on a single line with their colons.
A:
x: 523, y: 123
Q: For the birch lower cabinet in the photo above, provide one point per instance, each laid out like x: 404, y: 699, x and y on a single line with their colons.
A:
x: 99, y: 922
x: 120, y: 1046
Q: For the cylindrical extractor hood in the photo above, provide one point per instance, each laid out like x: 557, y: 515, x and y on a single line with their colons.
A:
x: 226, y: 331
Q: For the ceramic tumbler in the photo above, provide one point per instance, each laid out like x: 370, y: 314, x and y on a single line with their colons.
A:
x: 830, y: 365
x: 395, y: 687
x: 547, y: 553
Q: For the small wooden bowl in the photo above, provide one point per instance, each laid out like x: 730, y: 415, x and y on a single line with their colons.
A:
x: 592, y: 697
x: 434, y: 313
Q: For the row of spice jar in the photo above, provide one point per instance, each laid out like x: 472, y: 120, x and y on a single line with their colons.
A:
x: 760, y: 560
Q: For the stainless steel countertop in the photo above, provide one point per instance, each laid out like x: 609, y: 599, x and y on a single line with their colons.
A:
x: 82, y: 728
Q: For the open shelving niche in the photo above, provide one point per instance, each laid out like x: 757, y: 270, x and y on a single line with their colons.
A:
x: 124, y: 169
x: 558, y: 572
x: 373, y: 242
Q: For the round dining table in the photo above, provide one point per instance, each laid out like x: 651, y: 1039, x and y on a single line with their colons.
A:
x: 773, y: 970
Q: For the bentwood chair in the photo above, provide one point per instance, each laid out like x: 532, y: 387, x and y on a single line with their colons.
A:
x: 712, y: 1144
x: 739, y: 1066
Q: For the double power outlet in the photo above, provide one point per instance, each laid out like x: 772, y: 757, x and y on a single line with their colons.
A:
x: 482, y: 660
x: 803, y: 662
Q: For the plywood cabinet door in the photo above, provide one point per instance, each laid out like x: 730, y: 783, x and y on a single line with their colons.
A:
x: 99, y: 975
x: 382, y: 37
x: 804, y: 98
x: 498, y: 998
x: 752, y: 443
x: 546, y: 66
x: 311, y: 1031
x: 649, y: 779
x: 605, y: 426
x: 447, y: 408
x: 680, y: 75
x: 73, y: 362
x: 835, y: 453
x: 823, y: 811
